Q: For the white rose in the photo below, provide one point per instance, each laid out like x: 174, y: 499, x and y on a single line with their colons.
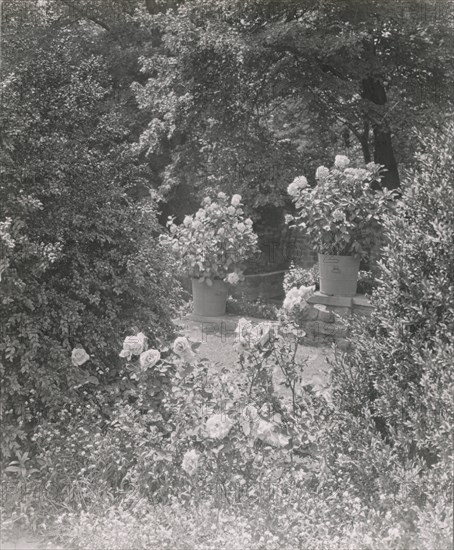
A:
x: 190, y: 462
x: 133, y: 345
x: 249, y: 419
x: 241, y: 227
x: 79, y: 356
x: 218, y: 426
x: 236, y: 200
x: 341, y: 162
x: 231, y: 210
x: 200, y: 215
x: 149, y: 358
x: 249, y: 222
x: 187, y: 221
x: 242, y: 330
x: 182, y: 348
x: 196, y: 224
x: 322, y: 172
x: 181, y: 345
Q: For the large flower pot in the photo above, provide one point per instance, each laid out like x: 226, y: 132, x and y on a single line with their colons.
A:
x: 209, y: 301
x: 338, y: 274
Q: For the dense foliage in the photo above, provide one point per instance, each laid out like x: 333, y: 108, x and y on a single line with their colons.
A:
x: 81, y: 262
x: 113, y: 438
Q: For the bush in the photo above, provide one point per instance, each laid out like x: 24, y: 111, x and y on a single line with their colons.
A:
x: 400, y: 370
x: 81, y: 265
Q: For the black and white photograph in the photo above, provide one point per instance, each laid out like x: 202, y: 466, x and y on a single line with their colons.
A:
x: 226, y: 274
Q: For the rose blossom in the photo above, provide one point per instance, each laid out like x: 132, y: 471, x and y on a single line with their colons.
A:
x: 181, y: 345
x: 187, y: 221
x: 149, y: 358
x: 218, y: 426
x: 231, y: 210
x: 133, y: 345
x: 182, y: 348
x: 190, y: 462
x: 79, y: 356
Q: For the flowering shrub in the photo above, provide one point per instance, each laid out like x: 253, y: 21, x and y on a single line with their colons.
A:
x: 214, y: 242
x: 342, y: 214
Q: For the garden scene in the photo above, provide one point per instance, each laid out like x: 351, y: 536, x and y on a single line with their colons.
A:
x: 227, y: 275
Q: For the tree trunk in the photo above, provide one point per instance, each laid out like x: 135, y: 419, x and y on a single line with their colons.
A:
x: 364, y: 141
x: 374, y: 91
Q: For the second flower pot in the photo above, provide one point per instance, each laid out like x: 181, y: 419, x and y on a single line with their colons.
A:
x: 338, y: 274
x: 209, y: 301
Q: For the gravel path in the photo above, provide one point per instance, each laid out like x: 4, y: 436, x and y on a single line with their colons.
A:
x: 217, y: 338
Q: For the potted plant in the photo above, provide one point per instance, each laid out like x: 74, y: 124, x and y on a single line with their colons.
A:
x: 210, y: 247
x: 342, y: 216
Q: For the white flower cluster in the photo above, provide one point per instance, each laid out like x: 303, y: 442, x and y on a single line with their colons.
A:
x: 297, y: 297
x: 133, y: 345
x: 182, y: 348
x: 297, y: 184
x: 341, y: 162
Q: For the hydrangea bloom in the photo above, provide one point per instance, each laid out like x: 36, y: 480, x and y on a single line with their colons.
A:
x: 149, y: 358
x: 79, y: 356
x: 133, y: 345
x: 232, y: 278
x: 298, y: 183
x: 322, y: 172
x: 236, y: 200
x: 297, y: 297
x: 218, y: 426
x: 341, y: 162
x: 190, y: 462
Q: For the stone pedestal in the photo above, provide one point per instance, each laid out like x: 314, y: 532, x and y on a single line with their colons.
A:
x: 322, y: 319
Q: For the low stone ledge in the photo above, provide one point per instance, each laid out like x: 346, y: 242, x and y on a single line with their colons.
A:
x: 322, y: 319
